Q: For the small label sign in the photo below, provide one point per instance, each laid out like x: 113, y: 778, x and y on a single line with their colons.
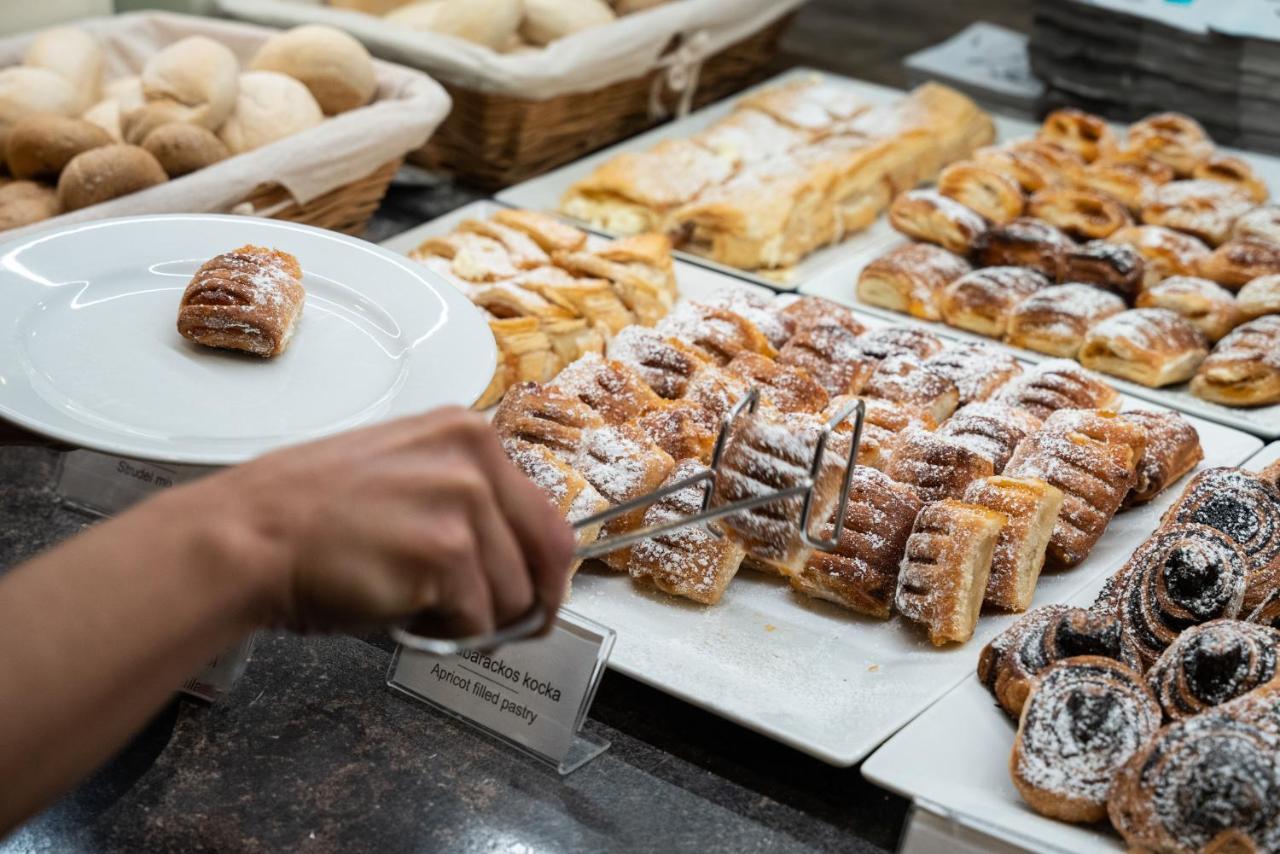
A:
x: 534, y: 694
x: 106, y: 484
x: 218, y: 676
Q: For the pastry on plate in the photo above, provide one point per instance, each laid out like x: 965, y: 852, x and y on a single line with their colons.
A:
x: 785, y: 387
x: 1238, y: 262
x: 945, y: 568
x: 936, y: 466
x: 986, y: 191
x: 1234, y: 171
x: 1201, y: 208
x: 1173, y: 449
x: 1032, y: 508
x: 1206, y: 305
x: 1174, y: 139
x: 1244, y: 367
x: 1085, y: 718
x: 906, y: 380
x: 248, y: 299
x: 929, y: 216
x: 990, y: 429
x: 1075, y: 130
x: 1260, y: 296
x: 829, y: 354
x: 1055, y: 320
x: 1025, y: 242
x: 1261, y: 223
x: 885, y: 341
x: 983, y: 300
x: 862, y: 573
x: 1154, y: 347
x: 911, y: 278
x: 1116, y: 267
x: 1058, y: 384
x: 979, y: 370
x: 1082, y: 214
x: 1164, y: 252
x: 1211, y: 664
x: 748, y: 136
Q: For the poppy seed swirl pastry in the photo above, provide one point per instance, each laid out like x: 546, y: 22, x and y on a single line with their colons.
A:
x: 1212, y: 663
x: 1085, y: 718
x: 247, y: 300
x: 1009, y: 665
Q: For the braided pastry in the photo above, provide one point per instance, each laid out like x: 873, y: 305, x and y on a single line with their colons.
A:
x: 1084, y: 719
x: 1010, y: 664
x: 1212, y: 663
x: 248, y: 300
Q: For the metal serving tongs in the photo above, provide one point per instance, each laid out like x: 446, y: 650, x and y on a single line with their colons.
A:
x: 533, y: 621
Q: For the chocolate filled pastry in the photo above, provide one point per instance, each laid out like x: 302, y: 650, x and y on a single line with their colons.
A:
x: 1154, y: 347
x: 1116, y: 267
x: 945, y: 568
x: 1246, y: 509
x: 717, y: 334
x: 990, y: 429
x: 1032, y: 509
x: 1055, y: 320
x: 766, y: 454
x: 610, y: 388
x: 622, y: 464
x: 1092, y: 456
x: 1212, y: 663
x: 996, y: 197
x: 1182, y: 576
x: 829, y: 354
x: 935, y: 466
x: 800, y: 312
x: 1173, y: 449
x: 1203, y: 209
x: 546, y: 416
x: 1009, y: 665
x: 979, y: 370
x: 1164, y: 252
x: 1244, y: 368
x: 1082, y: 214
x: 929, y: 216
x: 911, y: 279
x: 1259, y: 297
x: 886, y: 341
x: 664, y: 363
x: 1261, y: 223
x: 1125, y: 178
x: 862, y: 573
x: 1207, y: 783
x: 1025, y: 242
x: 690, y: 562
x: 1086, y: 717
x: 1058, y: 384
x: 1174, y: 139
x: 247, y: 300
x: 1233, y: 171
x: 1083, y: 133
x: 783, y: 386
x: 1206, y: 305
x: 983, y: 300
x: 905, y: 379
x: 1237, y: 262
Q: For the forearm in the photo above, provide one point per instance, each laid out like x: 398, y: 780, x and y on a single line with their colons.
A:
x: 99, y: 632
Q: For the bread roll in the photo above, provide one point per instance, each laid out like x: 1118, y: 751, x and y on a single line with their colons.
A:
x: 41, y: 144
x: 192, y: 80
x: 126, y: 90
x: 548, y: 20
x: 25, y: 202
x: 74, y: 55
x: 106, y: 115
x: 488, y: 22
x: 182, y: 148
x: 24, y: 91
x: 371, y: 7
x: 270, y: 106
x: 333, y: 65
x: 102, y: 174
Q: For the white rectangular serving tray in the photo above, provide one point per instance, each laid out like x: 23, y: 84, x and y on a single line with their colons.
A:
x: 954, y: 761
x: 807, y: 673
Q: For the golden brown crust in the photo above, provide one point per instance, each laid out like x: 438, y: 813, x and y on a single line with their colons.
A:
x: 936, y: 466
x: 1261, y: 223
x: 1080, y: 132
x: 886, y: 341
x: 1244, y: 369
x: 1117, y: 267
x: 991, y: 429
x: 994, y: 196
x: 929, y: 216
x: 1201, y: 208
x: 979, y: 370
x: 545, y: 416
x: 904, y: 379
x: 808, y: 310
x: 1024, y: 242
x: 611, y: 388
x: 1154, y: 347
x: 1259, y: 297
x: 1059, y: 384
x: 663, y: 362
x: 717, y: 334
x: 1031, y: 508
x: 1234, y: 171
x: 830, y: 354
x: 1083, y: 214
x: 247, y: 300
x: 786, y: 387
x: 1237, y: 262
x: 1174, y: 139
x: 983, y: 300
x: 1207, y: 305
x: 911, y: 278
x: 1125, y: 178
x: 1165, y: 252
x: 545, y: 230
x: 1055, y: 320
x: 1172, y: 450
x: 1034, y: 163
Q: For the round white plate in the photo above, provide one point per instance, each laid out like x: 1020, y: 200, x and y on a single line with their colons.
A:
x: 90, y: 353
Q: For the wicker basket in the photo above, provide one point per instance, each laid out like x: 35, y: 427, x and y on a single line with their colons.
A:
x: 496, y: 140
x: 346, y: 209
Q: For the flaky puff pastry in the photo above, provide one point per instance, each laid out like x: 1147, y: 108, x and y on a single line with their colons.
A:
x: 862, y: 573
x: 1234, y: 171
x: 1172, y: 450
x: 796, y: 313
x: 1154, y: 347
x: 609, y: 387
x: 789, y: 389
x: 1116, y: 267
x: 979, y: 370
x: 1056, y: 319
x: 1075, y: 130
x: 548, y: 232
x: 997, y: 197
x: 1025, y: 242
x: 1174, y: 139
x: 983, y: 300
x: 567, y: 490
x: 640, y: 269
x: 1031, y: 507
x: 545, y: 416
x: 935, y: 466
x: 1125, y: 177
x: 1034, y: 163
x: 1059, y: 384
x: 812, y: 104
x: 906, y: 380
x: 1261, y: 223
x: 886, y: 341
x: 1244, y: 369
x: 830, y: 354
x: 716, y: 334
x: 622, y: 464
x: 248, y: 300
x: 946, y: 567
x: 911, y: 278
x: 1083, y: 214
x: 1202, y: 208
x: 1208, y: 306
x: 990, y: 428
x: 1164, y: 252
x: 929, y: 216
x: 661, y: 361
x: 1237, y: 262
x: 1259, y: 297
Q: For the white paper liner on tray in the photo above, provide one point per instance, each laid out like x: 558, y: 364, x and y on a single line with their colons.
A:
x: 588, y: 60
x: 342, y: 149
